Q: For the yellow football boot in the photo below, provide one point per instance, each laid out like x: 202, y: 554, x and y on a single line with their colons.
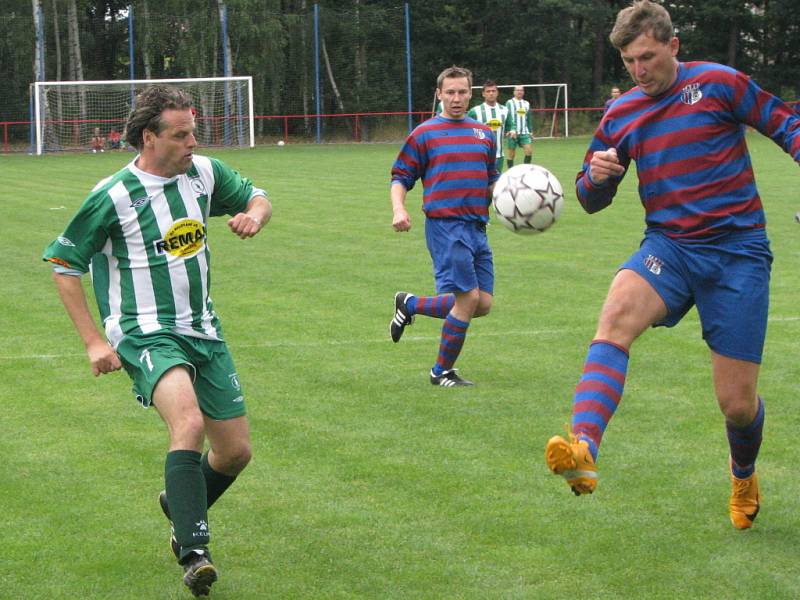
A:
x: 573, y: 461
x: 744, y: 502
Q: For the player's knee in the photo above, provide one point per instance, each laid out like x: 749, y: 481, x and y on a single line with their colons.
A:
x: 738, y: 412
x: 237, y: 457
x: 189, y: 430
x: 484, y: 307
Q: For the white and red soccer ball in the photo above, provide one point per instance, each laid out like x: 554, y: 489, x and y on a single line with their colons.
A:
x: 528, y: 199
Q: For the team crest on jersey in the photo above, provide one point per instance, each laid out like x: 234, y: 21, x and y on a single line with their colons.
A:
x: 691, y: 94
x: 479, y: 133
x: 494, y: 124
x: 653, y: 264
x: 183, y: 240
x: 65, y: 241
x: 139, y: 202
x: 198, y: 187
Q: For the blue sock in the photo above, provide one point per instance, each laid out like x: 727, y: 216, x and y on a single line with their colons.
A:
x: 745, y: 443
x: 598, y: 392
x: 454, y: 332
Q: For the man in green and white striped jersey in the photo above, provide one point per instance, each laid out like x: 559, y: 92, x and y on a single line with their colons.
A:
x: 494, y: 115
x: 142, y: 234
x: 521, y: 134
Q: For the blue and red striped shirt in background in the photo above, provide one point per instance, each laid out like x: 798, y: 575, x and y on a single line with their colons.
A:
x: 456, y: 161
x: 695, y: 175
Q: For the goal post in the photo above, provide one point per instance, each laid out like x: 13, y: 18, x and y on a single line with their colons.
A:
x: 67, y: 113
x: 549, y: 105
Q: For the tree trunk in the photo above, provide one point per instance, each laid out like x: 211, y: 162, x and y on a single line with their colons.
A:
x: 330, y: 76
x: 38, y: 40
x: 733, y: 44
x: 76, y: 72
x: 304, y: 63
x: 57, y: 33
x: 146, y: 40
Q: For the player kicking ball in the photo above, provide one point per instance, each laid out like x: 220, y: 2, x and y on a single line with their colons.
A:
x: 705, y: 244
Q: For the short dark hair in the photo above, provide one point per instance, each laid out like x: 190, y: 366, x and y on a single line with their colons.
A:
x: 453, y: 72
x: 150, y: 104
x: 643, y: 16
x: 489, y: 83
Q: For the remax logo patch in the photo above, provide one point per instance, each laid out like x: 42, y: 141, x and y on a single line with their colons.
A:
x: 183, y: 240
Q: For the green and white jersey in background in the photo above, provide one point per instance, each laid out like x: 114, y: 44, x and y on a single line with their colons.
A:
x: 495, y: 117
x: 520, y: 111
x: 143, y: 238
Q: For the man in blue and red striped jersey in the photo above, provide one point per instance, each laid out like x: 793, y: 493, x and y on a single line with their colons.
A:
x: 705, y: 244
x: 455, y: 158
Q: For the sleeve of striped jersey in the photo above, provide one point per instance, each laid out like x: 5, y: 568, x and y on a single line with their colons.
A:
x: 84, y: 236
x: 594, y: 197
x: 231, y: 192
x: 766, y: 113
x: 406, y: 167
x: 511, y: 124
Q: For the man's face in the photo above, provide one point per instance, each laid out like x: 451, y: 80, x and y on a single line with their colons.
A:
x: 490, y: 94
x: 454, y: 94
x: 519, y: 92
x: 615, y: 93
x: 652, y: 64
x: 170, y: 152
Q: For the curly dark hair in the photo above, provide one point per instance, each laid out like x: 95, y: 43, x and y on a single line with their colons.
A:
x: 150, y: 104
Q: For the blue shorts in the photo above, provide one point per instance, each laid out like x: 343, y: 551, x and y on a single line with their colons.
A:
x: 462, y: 258
x: 727, y: 279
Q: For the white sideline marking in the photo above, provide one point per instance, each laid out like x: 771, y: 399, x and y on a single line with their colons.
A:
x: 355, y: 342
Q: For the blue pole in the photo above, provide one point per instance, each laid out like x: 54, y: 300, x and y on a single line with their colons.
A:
x: 316, y: 72
x: 224, y: 30
x: 131, y: 57
x: 408, y: 66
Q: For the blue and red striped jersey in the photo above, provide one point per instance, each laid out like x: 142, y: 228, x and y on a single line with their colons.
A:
x: 456, y: 161
x: 695, y: 176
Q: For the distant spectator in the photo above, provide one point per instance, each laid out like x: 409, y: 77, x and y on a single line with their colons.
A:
x: 615, y: 93
x: 114, y: 138
x: 98, y: 142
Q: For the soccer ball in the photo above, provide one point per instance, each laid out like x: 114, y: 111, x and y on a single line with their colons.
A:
x: 528, y: 199
x: 280, y: 142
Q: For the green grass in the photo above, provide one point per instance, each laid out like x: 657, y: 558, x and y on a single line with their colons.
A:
x: 367, y: 482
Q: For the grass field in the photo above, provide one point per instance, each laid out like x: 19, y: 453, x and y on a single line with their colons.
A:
x: 368, y: 482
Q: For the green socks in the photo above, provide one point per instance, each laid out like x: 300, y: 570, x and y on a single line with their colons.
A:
x: 216, y: 482
x: 186, y: 490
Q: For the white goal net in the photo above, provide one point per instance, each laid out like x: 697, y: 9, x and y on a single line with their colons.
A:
x: 83, y: 115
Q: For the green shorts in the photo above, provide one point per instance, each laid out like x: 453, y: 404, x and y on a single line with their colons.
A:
x: 522, y: 140
x: 147, y: 357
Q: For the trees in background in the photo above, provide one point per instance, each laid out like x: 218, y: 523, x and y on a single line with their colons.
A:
x: 363, y: 67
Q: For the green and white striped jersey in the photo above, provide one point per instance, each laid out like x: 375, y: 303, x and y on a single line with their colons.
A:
x: 520, y: 110
x: 495, y: 117
x: 143, y: 238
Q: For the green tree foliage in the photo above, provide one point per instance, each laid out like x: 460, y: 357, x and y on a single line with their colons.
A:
x: 363, y: 68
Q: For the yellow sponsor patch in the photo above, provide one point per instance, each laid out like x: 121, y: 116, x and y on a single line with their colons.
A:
x: 184, y: 239
x: 494, y: 124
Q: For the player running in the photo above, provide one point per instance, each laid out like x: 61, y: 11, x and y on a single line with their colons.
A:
x: 455, y: 158
x: 142, y: 232
x: 705, y: 243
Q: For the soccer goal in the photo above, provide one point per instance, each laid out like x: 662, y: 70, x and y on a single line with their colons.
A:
x: 71, y: 115
x: 549, y: 106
